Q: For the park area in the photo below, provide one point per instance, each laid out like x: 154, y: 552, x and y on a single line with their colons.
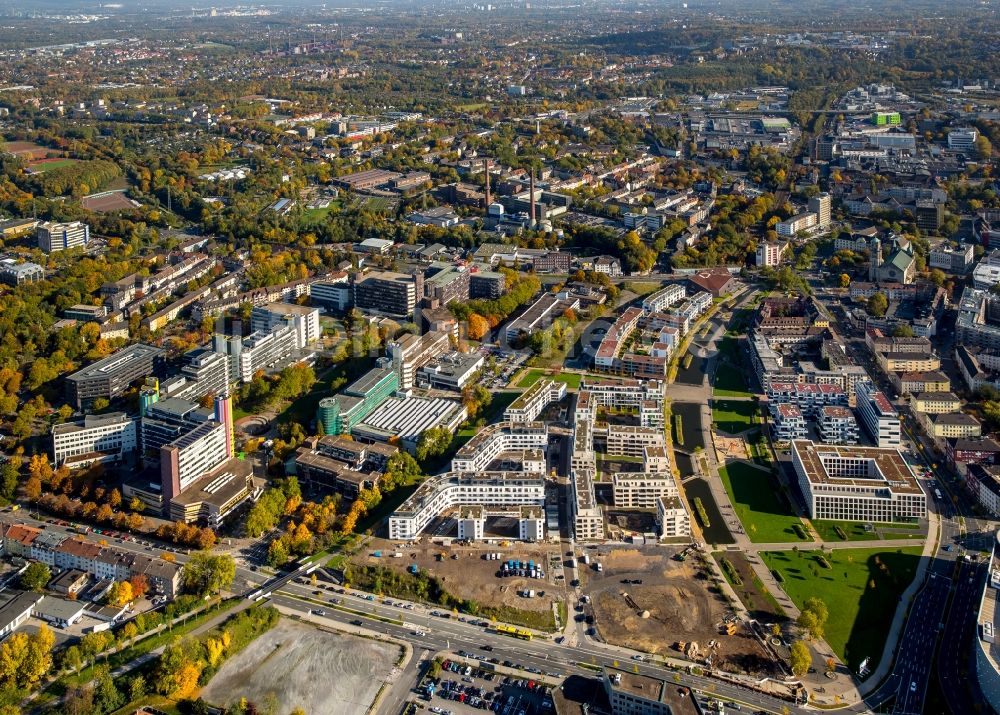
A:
x: 733, y: 416
x: 288, y: 663
x: 834, y: 531
x: 761, y: 504
x: 860, y: 587
x: 730, y: 375
x: 570, y: 379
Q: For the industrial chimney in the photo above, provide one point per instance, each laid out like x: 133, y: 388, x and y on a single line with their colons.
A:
x: 531, y: 189
x: 486, y: 170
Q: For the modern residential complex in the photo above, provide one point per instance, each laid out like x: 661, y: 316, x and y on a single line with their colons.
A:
x: 878, y: 416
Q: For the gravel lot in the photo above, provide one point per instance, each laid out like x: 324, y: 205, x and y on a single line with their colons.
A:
x: 292, y: 658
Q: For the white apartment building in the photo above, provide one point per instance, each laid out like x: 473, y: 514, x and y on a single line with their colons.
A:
x: 769, y: 253
x: 878, y: 416
x: 799, y: 222
x: 272, y: 316
x: 664, y: 298
x: 588, y: 517
x: 672, y: 518
x: 857, y: 483
x: 491, y: 490
x: 621, y: 394
x: 838, y: 426
x: 95, y: 438
x: 641, y: 490
x: 631, y: 441
x: 695, y: 306
x: 530, y: 403
x: 492, y: 441
x: 820, y: 205
x: 257, y: 351
x: 788, y: 423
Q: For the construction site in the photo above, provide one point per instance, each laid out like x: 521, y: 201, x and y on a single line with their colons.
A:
x: 649, y: 600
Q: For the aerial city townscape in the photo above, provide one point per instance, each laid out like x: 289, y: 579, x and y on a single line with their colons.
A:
x: 624, y: 357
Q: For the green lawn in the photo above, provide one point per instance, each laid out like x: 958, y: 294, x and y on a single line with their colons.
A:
x: 730, y: 379
x: 50, y: 165
x: 732, y: 416
x: 855, y: 530
x: 761, y: 506
x: 571, y: 379
x: 861, y: 591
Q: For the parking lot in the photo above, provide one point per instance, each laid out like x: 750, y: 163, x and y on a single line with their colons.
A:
x: 462, y: 688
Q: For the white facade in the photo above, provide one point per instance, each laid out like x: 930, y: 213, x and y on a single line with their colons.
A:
x: 304, y: 320
x: 642, y: 490
x: 664, y: 298
x: 857, y: 483
x: 672, y: 518
x: 113, y: 433
x: 838, y: 426
x: 769, y: 254
x: 530, y: 403
x: 963, y: 139
x: 801, y: 222
x: 477, y: 454
x: 878, y: 415
x: 500, y: 490
x: 53, y: 236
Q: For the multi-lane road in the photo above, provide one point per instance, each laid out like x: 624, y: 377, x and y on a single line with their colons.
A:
x: 550, y: 660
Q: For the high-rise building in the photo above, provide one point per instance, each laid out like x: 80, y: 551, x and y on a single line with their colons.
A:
x: 820, y: 205
x: 411, y: 352
x: 305, y: 321
x: 53, y: 236
x: 878, y: 416
x: 387, y: 293
x: 769, y: 254
x: 109, y: 377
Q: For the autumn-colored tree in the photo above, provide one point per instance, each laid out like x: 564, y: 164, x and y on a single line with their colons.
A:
x: 136, y: 522
x: 33, y: 488
x: 120, y: 594
x: 136, y: 505
x: 38, y: 466
x: 205, y: 539
x: 104, y: 514
x: 139, y: 584
x: 477, y: 327
x: 115, y: 498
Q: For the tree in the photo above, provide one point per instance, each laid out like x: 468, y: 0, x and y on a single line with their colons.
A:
x: 140, y: 585
x: 845, y: 280
x: 35, y: 577
x: 813, y: 617
x: 902, y: 331
x: 120, y: 594
x: 478, y: 326
x: 984, y: 148
x: 208, y: 573
x: 877, y: 305
x: 800, y: 658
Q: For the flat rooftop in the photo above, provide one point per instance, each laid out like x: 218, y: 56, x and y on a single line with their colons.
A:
x: 647, y: 687
x: 851, y: 465
x: 109, y: 365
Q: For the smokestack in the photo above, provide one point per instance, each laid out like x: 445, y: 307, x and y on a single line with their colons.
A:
x: 531, y: 188
x: 486, y: 170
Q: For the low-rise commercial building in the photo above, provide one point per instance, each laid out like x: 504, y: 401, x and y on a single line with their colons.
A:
x: 857, y: 483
